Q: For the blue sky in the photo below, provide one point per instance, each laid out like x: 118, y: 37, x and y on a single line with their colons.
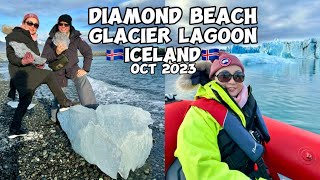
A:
x: 277, y: 19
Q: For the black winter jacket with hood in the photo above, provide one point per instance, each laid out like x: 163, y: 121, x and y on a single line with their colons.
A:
x: 76, y: 43
x: 26, y: 78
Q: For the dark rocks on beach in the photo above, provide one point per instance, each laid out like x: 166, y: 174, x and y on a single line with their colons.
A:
x: 48, y: 154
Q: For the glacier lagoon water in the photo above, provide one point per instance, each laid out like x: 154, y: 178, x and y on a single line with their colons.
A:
x: 285, y: 89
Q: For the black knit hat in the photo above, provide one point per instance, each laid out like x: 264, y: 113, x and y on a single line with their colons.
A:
x: 66, y: 18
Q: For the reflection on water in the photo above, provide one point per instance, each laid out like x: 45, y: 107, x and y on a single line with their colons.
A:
x: 288, y: 91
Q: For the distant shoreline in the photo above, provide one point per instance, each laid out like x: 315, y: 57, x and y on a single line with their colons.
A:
x: 98, y: 53
x: 3, y: 56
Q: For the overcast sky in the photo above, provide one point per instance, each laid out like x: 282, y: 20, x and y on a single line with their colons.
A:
x: 277, y: 19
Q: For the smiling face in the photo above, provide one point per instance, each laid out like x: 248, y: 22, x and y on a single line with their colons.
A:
x: 232, y: 86
x: 64, y: 27
x: 31, y: 25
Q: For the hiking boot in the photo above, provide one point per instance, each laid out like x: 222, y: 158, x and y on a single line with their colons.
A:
x: 13, y: 133
x: 67, y: 103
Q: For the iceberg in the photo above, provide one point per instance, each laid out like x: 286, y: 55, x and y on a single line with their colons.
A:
x: 115, y: 137
x: 242, y: 50
x: 20, y: 49
x: 61, y: 38
x: 309, y: 49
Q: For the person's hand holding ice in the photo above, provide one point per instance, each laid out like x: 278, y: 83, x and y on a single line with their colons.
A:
x: 27, y: 59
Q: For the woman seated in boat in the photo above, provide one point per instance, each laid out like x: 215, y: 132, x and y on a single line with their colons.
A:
x: 222, y: 134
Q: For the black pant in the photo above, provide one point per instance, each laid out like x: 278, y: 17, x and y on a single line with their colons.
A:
x: 25, y: 100
x: 21, y: 110
x: 12, y: 92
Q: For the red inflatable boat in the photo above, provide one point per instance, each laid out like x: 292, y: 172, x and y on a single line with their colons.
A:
x: 292, y: 152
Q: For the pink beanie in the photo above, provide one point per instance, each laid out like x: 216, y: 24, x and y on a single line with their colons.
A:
x: 225, y: 59
x: 30, y: 15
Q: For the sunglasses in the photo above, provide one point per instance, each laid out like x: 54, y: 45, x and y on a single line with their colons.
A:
x: 63, y: 24
x: 29, y: 23
x: 225, y: 76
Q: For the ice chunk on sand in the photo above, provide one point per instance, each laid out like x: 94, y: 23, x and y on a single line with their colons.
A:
x: 14, y: 104
x: 115, y: 137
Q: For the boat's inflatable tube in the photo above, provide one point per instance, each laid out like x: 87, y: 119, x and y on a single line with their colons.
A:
x: 292, y: 152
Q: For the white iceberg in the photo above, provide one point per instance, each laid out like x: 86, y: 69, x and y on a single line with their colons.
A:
x: 61, y: 38
x: 20, y: 49
x: 14, y: 104
x: 115, y: 137
x: 309, y: 48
